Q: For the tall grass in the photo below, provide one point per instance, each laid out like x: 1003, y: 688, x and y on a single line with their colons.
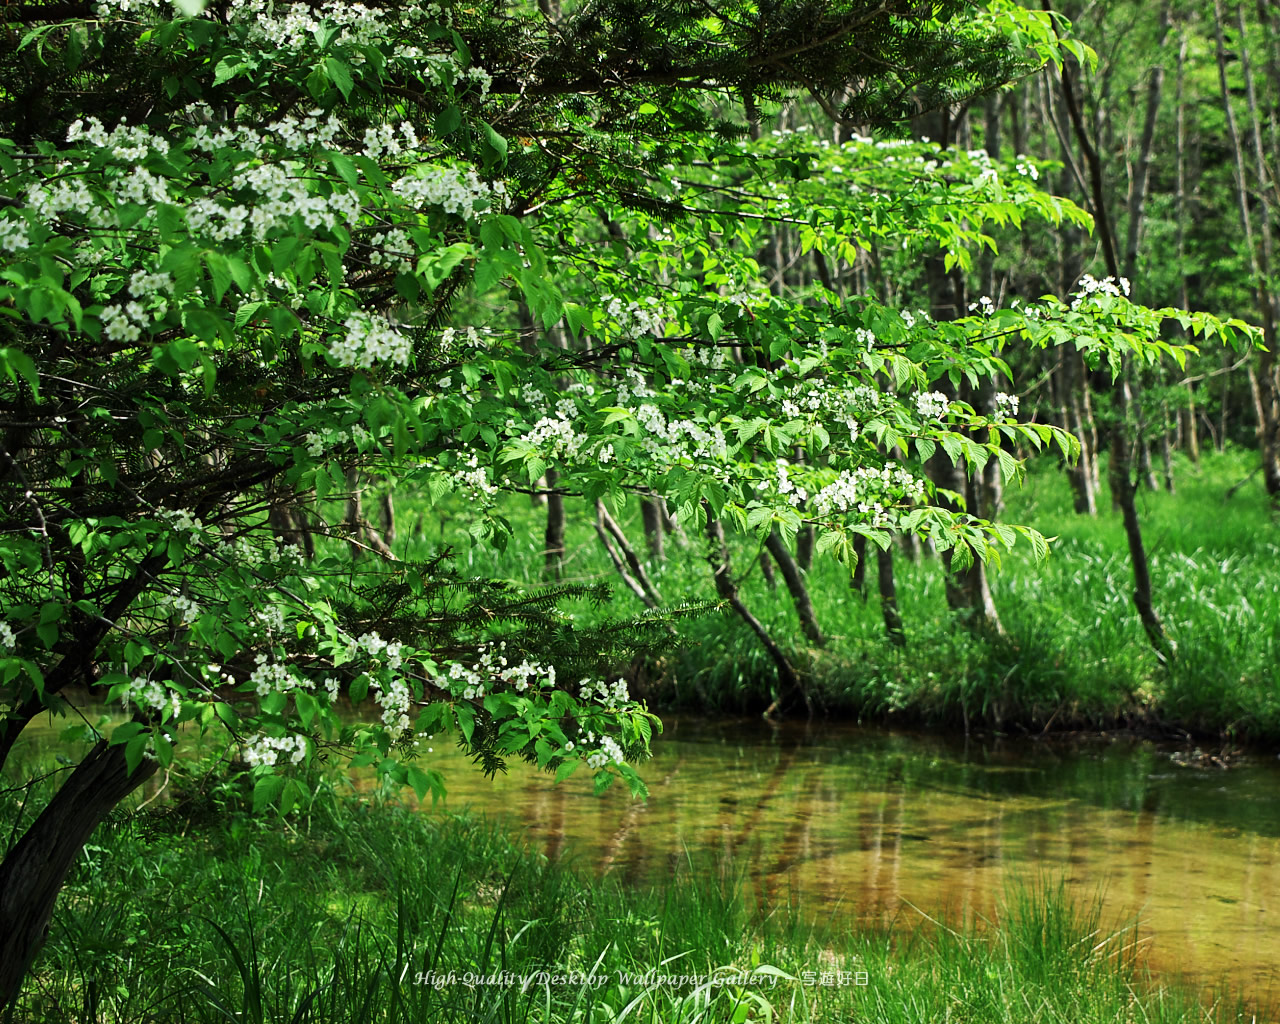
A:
x: 378, y: 914
x: 1073, y: 653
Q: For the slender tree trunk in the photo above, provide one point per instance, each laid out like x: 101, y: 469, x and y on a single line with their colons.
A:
x: 1260, y: 258
x: 858, y: 580
x: 553, y: 538
x: 653, y: 530
x: 361, y: 536
x: 805, y: 539
x: 1142, y: 169
x: 388, y: 519
x: 1120, y: 471
x: 794, y: 579
x: 33, y: 871
x: 1080, y: 475
x: 968, y: 593
x: 722, y: 572
x: 623, y: 556
x: 889, y: 597
x: 1189, y: 426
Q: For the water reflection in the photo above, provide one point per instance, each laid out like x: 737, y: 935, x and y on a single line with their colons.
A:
x: 855, y: 825
x: 847, y: 825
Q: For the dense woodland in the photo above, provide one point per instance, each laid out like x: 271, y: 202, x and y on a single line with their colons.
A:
x: 515, y: 373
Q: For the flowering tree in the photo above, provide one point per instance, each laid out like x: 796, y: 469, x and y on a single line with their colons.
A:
x: 249, y: 253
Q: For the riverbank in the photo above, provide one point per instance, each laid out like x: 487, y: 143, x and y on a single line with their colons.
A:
x: 1072, y: 656
x: 368, y: 912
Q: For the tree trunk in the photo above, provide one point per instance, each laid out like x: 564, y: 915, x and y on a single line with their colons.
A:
x: 889, y: 597
x: 805, y: 539
x: 791, y: 575
x: 858, y: 580
x: 1120, y: 471
x: 1260, y: 262
x: 651, y: 515
x: 388, y: 519
x: 722, y: 572
x: 553, y: 539
x: 628, y: 565
x: 33, y: 871
x: 1081, y: 475
x: 1189, y: 426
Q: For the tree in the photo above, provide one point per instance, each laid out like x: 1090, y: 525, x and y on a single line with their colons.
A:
x: 245, y: 254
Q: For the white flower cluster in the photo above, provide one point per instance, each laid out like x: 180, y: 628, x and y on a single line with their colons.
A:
x: 242, y: 551
x: 281, y: 195
x: 328, y: 438
x: 557, y: 437
x: 272, y: 677
x: 473, y: 682
x: 393, y: 697
x: 985, y: 304
x: 272, y: 616
x: 796, y: 496
x: 296, y: 26
x: 181, y: 520
x: 375, y: 647
x: 395, y: 701
x: 474, y: 478
x: 391, y: 249
x: 267, y: 750
x: 125, y: 323
x: 1027, y: 169
x: 152, y: 695
x: 370, y: 340
x: 478, y: 338
x: 711, y: 358
x: 480, y: 76
x: 868, y: 491
x: 1006, y: 405
x: 1090, y: 285
x: 451, y: 188
x: 385, y: 140
x: 13, y: 235
x: 69, y: 195
x: 633, y: 385
x: 606, y: 693
x: 636, y: 319
x: 185, y: 607
x: 684, y: 436
x: 815, y: 398
x: 609, y: 753
x: 932, y: 405
x: 141, y: 186
x: 125, y: 141
x: 7, y: 639
x: 142, y: 284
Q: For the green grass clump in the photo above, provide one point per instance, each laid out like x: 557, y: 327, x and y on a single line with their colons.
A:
x: 360, y: 912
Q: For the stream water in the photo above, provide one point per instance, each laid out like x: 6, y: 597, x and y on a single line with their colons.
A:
x: 856, y: 825
x: 873, y: 826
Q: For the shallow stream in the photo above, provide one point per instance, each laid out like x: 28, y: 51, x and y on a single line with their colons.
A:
x: 849, y: 825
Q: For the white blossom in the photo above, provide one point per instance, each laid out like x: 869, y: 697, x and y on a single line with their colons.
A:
x: 370, y: 340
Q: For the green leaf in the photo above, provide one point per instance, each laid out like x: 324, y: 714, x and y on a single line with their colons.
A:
x: 18, y: 364
x: 266, y: 791
x: 494, y: 148
x: 448, y: 121
x: 340, y: 75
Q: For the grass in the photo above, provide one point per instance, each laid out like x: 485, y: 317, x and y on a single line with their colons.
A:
x: 359, y: 912
x: 1073, y: 654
